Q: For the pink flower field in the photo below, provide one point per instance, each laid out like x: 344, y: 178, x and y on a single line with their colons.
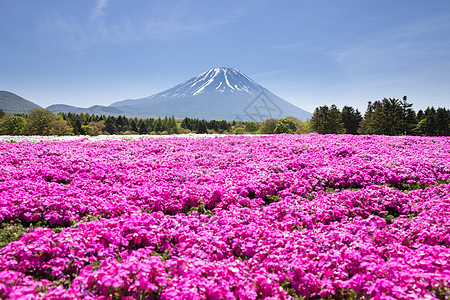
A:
x: 238, y: 217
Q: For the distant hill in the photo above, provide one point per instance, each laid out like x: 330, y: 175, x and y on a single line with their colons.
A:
x: 96, y: 109
x: 217, y: 94
x: 12, y: 104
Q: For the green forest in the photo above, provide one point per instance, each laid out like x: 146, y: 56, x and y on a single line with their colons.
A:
x: 389, y: 116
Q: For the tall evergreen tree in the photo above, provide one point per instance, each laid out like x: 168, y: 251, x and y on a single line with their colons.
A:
x: 110, y: 125
x: 351, y: 119
x: 133, y: 126
x: 442, y: 118
x: 77, y: 126
x: 158, y: 126
x: 320, y: 119
x: 385, y: 117
x: 142, y: 128
x: 202, y: 127
x: 327, y: 120
x: 364, y: 126
x: 409, y: 117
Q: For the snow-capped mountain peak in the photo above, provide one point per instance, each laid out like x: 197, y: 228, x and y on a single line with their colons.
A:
x: 217, y: 94
x: 216, y: 80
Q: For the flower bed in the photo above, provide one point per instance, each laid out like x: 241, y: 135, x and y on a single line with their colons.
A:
x: 237, y: 217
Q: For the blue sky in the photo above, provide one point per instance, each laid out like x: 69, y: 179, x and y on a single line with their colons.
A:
x: 310, y: 53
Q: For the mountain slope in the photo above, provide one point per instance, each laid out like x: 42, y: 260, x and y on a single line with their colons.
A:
x: 219, y: 93
x: 11, y: 103
x: 96, y: 109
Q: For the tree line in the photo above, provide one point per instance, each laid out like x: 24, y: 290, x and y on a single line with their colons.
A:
x: 389, y: 116
x: 45, y: 122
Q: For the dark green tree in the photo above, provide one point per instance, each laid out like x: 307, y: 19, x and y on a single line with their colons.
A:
x: 186, y: 123
x: 110, y: 125
x: 142, y: 127
x: 327, y: 120
x: 365, y: 126
x: 319, y: 119
x: 202, y: 127
x: 420, y: 115
x: 351, y: 119
x: 133, y: 126
x: 428, y: 125
x: 442, y: 118
x: 386, y: 117
x: 158, y: 126
x: 409, y: 117
x: 77, y: 126
x: 223, y: 126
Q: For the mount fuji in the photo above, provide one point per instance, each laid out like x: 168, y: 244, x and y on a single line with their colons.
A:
x: 217, y: 94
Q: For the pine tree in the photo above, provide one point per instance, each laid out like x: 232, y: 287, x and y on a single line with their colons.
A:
x: 442, y: 118
x: 409, y: 117
x: 158, y: 126
x: 110, y: 125
x: 133, y: 126
x: 351, y: 119
x: 202, y: 127
x: 327, y: 120
x: 142, y: 128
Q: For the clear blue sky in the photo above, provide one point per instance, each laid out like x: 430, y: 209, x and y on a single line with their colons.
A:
x: 310, y: 53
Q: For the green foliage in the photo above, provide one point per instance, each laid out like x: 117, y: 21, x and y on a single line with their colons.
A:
x: 433, y: 122
x: 158, y: 127
x: 271, y: 199
x: 351, y: 119
x: 304, y: 127
x: 85, y: 129
x: 268, y: 126
x: 39, y: 122
x: 12, y: 125
x: 60, y: 127
x: 389, y: 116
x: 327, y: 120
x: 10, y: 231
x: 239, y: 130
x: 96, y: 128
x: 202, y: 126
x: 251, y: 127
x: 285, y: 125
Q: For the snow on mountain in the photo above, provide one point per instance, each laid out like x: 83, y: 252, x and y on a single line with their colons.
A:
x: 219, y: 93
x: 217, y: 80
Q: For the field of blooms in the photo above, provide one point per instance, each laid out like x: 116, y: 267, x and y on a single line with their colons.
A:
x: 238, y: 217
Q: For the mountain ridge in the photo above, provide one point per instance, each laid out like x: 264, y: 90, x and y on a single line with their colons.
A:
x: 12, y: 104
x: 95, y: 109
x: 218, y: 93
